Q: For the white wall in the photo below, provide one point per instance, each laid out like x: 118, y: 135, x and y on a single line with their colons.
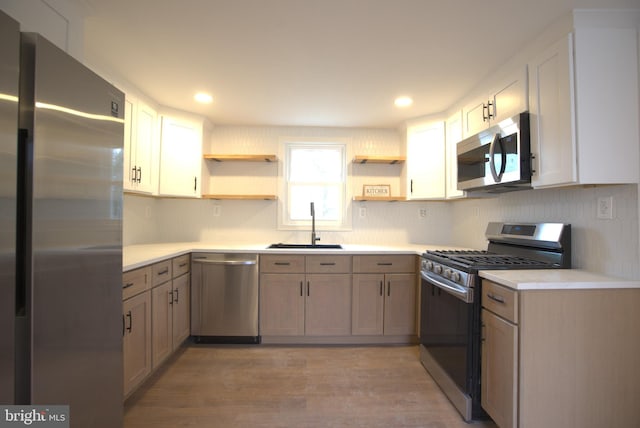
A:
x: 59, y: 21
x: 149, y: 220
x: 607, y: 246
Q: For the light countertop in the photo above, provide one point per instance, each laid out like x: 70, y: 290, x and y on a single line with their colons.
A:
x: 556, y: 279
x: 135, y: 256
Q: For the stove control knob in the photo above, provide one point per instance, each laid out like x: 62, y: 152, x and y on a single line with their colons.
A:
x: 455, y: 276
x: 437, y: 269
x: 428, y: 265
x: 447, y: 273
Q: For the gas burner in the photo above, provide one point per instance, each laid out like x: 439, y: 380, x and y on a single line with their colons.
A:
x: 499, y: 260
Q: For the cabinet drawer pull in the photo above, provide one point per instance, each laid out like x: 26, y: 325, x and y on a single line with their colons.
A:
x: 182, y: 264
x: 163, y: 272
x: 282, y: 263
x: 385, y: 264
x: 327, y: 264
x: 495, y: 298
x: 127, y: 285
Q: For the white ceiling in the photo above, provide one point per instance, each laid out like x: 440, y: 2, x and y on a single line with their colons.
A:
x: 312, y: 62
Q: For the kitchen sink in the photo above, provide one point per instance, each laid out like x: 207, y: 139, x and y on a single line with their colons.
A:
x: 306, y: 246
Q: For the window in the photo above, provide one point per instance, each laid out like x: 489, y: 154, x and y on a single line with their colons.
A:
x: 314, y: 172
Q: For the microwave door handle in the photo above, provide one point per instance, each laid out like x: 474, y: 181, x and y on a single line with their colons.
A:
x: 497, y: 177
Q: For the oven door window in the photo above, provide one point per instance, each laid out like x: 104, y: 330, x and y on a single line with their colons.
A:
x: 445, y: 331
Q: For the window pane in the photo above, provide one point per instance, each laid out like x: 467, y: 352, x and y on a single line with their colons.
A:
x: 315, y: 164
x: 326, y: 198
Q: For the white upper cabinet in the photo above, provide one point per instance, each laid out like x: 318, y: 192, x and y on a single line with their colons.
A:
x: 507, y: 98
x: 584, y: 107
x: 453, y: 134
x: 425, y: 165
x: 180, y: 157
x: 140, y: 140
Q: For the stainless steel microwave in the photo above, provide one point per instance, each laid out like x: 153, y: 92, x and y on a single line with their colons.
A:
x: 497, y: 159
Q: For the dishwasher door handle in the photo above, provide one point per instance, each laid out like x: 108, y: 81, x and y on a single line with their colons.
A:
x: 225, y: 262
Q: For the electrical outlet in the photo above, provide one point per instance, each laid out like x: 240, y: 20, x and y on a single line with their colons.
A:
x: 423, y: 212
x: 217, y: 210
x: 363, y: 212
x: 605, y: 208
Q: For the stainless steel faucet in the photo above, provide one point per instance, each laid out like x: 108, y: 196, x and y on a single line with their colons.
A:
x: 314, y: 238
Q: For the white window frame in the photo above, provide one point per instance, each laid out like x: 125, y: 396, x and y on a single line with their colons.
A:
x: 284, y: 218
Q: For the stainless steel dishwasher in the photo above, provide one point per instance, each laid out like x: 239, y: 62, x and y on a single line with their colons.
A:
x: 224, y: 298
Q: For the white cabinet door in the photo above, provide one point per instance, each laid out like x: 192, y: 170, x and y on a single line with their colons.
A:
x: 146, y: 140
x: 140, y: 140
x: 453, y: 136
x: 551, y: 98
x: 425, y: 161
x: 507, y: 98
x: 129, y: 156
x: 584, y: 109
x: 180, y: 157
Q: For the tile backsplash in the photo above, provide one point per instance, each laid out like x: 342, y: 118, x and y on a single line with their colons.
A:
x: 606, y: 246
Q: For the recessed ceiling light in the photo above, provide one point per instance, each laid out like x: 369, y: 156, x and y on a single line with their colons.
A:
x: 403, y: 102
x: 203, y: 98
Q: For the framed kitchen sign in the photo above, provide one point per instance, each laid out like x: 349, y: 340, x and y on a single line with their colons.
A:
x: 376, y: 190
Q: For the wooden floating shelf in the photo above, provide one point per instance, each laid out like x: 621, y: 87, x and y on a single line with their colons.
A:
x: 241, y: 158
x: 390, y: 160
x: 242, y: 197
x: 380, y: 198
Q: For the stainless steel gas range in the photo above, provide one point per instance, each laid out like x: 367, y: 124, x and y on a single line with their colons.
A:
x: 450, y: 330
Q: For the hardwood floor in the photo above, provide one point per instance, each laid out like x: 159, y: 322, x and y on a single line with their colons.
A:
x: 305, y: 386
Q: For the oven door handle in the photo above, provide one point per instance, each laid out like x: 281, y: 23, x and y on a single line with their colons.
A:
x: 462, y: 293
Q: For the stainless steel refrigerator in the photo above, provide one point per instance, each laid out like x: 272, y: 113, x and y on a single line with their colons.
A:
x: 61, y: 142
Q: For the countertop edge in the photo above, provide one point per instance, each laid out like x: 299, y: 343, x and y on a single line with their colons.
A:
x: 137, y: 256
x: 557, y: 279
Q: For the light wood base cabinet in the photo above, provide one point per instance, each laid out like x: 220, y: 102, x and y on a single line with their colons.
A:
x: 384, y: 304
x: 170, y: 312
x: 384, y: 295
x: 328, y: 305
x: 136, y: 346
x: 156, y: 316
x: 500, y: 369
x: 282, y: 304
x: 574, y: 353
x: 313, y: 299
